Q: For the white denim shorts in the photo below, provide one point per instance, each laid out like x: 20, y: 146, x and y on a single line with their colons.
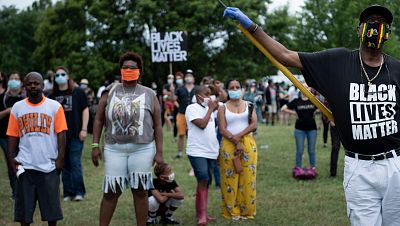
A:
x: 128, y: 165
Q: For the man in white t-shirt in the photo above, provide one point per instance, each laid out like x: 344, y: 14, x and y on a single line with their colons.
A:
x: 202, y: 146
x: 38, y: 126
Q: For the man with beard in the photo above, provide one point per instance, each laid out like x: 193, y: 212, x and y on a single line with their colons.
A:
x: 37, y: 125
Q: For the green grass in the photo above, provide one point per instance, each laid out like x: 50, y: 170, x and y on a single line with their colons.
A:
x: 281, y: 200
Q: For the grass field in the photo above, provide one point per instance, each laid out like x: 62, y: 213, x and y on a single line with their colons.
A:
x: 281, y: 200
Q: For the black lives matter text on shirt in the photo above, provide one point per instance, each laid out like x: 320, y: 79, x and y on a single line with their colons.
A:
x: 367, y: 117
x: 305, y: 110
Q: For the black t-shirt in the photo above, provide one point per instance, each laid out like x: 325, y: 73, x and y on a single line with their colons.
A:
x: 184, y: 98
x: 6, y: 101
x: 305, y: 110
x: 367, y: 117
x: 166, y: 187
x: 73, y: 103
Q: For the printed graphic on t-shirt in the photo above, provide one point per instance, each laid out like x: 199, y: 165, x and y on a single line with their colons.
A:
x: 65, y: 101
x: 372, y: 110
x: 127, y: 114
x: 34, y: 122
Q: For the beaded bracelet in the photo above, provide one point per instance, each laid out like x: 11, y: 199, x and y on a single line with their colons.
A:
x: 95, y: 145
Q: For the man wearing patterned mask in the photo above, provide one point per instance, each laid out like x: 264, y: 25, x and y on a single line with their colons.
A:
x: 361, y: 88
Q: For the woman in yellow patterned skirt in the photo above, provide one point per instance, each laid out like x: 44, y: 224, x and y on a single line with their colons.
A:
x: 237, y: 120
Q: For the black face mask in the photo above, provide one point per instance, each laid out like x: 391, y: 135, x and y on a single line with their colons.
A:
x: 374, y: 34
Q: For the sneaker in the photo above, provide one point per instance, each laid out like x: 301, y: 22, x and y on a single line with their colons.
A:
x: 179, y: 155
x: 67, y: 198
x: 298, y: 173
x: 171, y: 220
x: 310, y: 172
x: 78, y: 198
x: 151, y: 221
x: 191, y: 172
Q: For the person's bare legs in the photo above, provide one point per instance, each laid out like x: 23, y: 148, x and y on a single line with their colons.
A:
x: 107, y: 206
x: 140, y: 201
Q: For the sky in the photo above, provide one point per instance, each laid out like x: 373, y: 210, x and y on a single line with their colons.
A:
x: 293, y: 6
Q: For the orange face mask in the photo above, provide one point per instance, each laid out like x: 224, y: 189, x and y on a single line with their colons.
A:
x: 130, y: 74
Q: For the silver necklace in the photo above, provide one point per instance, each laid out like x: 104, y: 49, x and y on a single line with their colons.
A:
x: 123, y: 89
x: 365, y: 72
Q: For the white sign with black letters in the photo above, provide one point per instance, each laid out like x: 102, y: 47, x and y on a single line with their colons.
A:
x: 168, y: 46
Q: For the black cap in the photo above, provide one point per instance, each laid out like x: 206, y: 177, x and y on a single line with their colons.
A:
x: 376, y: 9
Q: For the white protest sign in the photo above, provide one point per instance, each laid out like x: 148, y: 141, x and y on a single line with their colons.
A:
x: 168, y: 46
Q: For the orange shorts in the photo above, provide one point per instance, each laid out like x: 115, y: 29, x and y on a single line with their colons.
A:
x: 181, y: 124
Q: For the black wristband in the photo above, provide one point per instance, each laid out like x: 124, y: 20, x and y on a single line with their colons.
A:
x: 255, y: 29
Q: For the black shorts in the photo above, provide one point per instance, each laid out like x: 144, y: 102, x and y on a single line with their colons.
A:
x: 32, y: 186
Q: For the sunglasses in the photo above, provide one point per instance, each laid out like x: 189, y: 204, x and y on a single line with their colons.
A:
x: 60, y: 74
x: 129, y: 67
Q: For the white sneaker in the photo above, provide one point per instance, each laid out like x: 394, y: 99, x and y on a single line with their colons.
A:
x: 67, y: 198
x: 78, y: 198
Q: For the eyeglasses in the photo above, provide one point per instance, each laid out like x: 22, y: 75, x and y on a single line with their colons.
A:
x: 60, y: 74
x: 129, y: 67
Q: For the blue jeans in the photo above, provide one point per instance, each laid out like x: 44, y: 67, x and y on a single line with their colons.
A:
x: 11, y: 176
x: 72, y: 176
x: 300, y: 136
x: 203, y: 168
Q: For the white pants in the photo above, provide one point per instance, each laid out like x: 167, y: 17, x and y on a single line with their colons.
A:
x: 154, y: 204
x: 372, y: 190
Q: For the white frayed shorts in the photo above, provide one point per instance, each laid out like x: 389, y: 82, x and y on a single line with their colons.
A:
x: 128, y: 165
x: 372, y: 190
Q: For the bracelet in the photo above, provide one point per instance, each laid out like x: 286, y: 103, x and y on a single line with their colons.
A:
x: 95, y: 145
x: 84, y: 130
x: 254, y: 30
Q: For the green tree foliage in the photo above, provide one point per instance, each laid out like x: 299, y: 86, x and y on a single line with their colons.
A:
x: 61, y: 37
x: 333, y: 23
x: 89, y: 36
x: 16, y: 37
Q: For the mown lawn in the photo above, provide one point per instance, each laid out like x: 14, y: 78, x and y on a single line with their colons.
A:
x: 281, y: 200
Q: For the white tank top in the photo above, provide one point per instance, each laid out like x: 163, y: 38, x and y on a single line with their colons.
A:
x: 236, y: 122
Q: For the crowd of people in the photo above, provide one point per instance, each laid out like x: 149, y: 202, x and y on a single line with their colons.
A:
x: 45, y: 124
x: 225, y: 114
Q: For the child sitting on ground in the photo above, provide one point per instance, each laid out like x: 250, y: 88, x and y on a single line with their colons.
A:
x: 165, y: 197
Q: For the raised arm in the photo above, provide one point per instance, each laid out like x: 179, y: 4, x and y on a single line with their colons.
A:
x: 280, y: 52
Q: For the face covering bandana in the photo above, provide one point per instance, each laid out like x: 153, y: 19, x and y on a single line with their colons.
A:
x: 171, y: 178
x: 14, y: 84
x: 235, y: 94
x: 373, y: 35
x: 130, y: 74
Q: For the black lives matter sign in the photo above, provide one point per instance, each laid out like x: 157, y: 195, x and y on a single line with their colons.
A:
x: 168, y: 46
